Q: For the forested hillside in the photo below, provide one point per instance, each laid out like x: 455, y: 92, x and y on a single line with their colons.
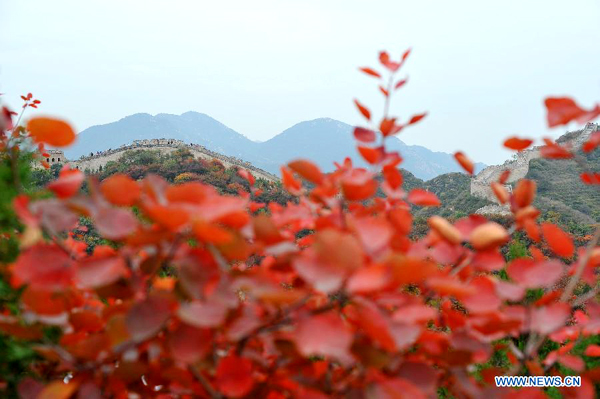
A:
x: 178, y: 167
x: 561, y: 194
x: 562, y: 197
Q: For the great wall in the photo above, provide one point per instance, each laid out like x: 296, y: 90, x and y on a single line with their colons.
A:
x: 96, y: 161
x: 519, y: 166
x: 480, y: 184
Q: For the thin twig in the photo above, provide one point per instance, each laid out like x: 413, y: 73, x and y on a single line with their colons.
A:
x: 587, y: 296
x: 205, y: 383
x: 516, y: 351
x: 581, y: 267
x: 223, y: 265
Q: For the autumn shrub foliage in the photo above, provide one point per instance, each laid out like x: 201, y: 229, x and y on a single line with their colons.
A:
x: 206, y: 295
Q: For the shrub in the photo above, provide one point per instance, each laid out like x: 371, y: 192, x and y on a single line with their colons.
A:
x: 193, y: 293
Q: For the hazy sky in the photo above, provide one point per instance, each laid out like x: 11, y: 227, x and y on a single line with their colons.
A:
x: 480, y: 68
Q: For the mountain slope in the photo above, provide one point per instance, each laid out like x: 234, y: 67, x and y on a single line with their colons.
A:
x: 560, y: 190
x: 323, y: 141
x: 327, y: 140
x: 189, y: 127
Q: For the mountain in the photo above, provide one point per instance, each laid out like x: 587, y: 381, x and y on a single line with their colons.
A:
x: 189, y: 127
x: 560, y: 191
x: 321, y: 140
x: 561, y: 195
x: 327, y: 140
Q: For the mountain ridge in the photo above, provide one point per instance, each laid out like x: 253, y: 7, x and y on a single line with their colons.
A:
x: 322, y: 140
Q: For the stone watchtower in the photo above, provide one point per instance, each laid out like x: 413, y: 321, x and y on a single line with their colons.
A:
x: 55, y: 157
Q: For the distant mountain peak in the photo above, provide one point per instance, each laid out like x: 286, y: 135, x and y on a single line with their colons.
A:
x: 322, y: 140
x: 140, y: 115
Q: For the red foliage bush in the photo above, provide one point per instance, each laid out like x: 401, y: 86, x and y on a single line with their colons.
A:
x: 198, y: 296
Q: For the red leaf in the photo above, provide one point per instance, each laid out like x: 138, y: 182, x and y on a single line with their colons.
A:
x: 92, y: 273
x: 21, y: 208
x: 224, y: 209
x: 484, y: 300
x: 400, y: 83
x: 364, y: 135
x: 590, y: 178
x: 358, y: 185
x: 562, y: 110
x: 211, y: 233
x: 373, y: 233
x: 550, y: 318
x: 29, y: 388
x: 6, y: 119
x: 450, y: 287
x: 189, y: 344
x: 532, y: 274
x: 592, y: 351
x: 387, y: 126
x: 511, y: 292
x: 532, y: 230
x: 517, y: 144
x: 289, y: 181
x: 385, y: 60
x: 592, y: 143
x: 146, y: 318
x: 58, y: 390
x: 333, y: 338
x: 559, y: 241
x: 409, y: 270
x: 209, y: 313
x: 405, y: 55
x: 488, y: 260
x: 422, y: 197
x: 554, y: 151
x: 68, y: 183
x: 370, y: 71
x: 372, y: 155
x: 55, y: 132
x: 395, y: 388
x: 374, y: 324
x: 500, y: 192
x: 45, y: 267
x: 307, y: 170
x: 247, y: 176
x: 464, y: 162
x: 191, y: 192
x: 369, y: 279
x: 488, y: 236
x: 363, y: 110
x: 504, y: 176
x: 416, y: 118
x: 234, y: 376
x: 524, y: 192
x: 87, y: 321
x: 120, y: 189
x: 47, y: 302
x: 401, y: 219
x: 445, y: 229
x: 333, y: 256
x: 115, y: 223
x: 392, y: 176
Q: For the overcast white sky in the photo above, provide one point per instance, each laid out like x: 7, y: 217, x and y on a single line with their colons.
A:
x: 480, y: 68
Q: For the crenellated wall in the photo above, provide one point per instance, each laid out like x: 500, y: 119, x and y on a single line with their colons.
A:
x: 519, y: 166
x: 94, y: 161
